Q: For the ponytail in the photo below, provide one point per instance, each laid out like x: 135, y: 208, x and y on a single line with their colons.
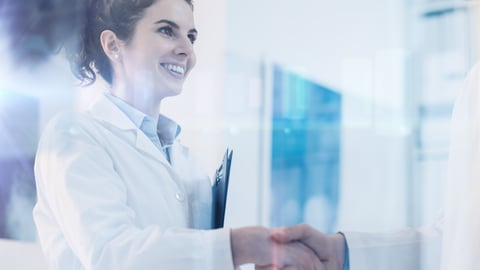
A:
x: 85, y: 51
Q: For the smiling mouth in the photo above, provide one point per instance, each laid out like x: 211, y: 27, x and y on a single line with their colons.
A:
x: 176, y: 70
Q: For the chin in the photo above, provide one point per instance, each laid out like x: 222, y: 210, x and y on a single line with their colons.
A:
x: 173, y: 92
x: 169, y: 90
x: 176, y: 90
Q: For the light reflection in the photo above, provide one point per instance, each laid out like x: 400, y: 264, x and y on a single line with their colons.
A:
x: 35, y: 83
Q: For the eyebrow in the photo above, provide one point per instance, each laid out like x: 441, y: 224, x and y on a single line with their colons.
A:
x: 174, y: 25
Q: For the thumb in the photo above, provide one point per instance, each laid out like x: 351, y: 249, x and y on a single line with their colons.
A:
x: 289, y: 234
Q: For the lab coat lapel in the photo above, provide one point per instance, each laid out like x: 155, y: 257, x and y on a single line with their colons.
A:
x: 104, y: 110
x: 178, y: 158
x: 144, y: 144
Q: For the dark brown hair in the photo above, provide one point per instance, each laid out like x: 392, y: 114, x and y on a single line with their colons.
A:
x: 86, y: 54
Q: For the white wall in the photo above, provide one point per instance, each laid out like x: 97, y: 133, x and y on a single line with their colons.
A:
x: 315, y: 36
x: 15, y: 255
x: 353, y: 46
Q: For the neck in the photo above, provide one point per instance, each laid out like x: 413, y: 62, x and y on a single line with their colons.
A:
x: 141, y: 98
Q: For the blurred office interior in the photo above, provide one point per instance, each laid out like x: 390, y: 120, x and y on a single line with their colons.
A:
x: 337, y: 111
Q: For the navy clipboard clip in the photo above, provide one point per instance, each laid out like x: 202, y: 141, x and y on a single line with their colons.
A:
x: 220, y: 190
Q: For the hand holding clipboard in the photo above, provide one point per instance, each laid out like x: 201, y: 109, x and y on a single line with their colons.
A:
x: 220, y: 190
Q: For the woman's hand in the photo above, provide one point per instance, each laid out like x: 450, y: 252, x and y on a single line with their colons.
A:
x: 255, y: 245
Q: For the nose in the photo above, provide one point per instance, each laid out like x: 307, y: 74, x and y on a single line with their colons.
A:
x: 184, y: 47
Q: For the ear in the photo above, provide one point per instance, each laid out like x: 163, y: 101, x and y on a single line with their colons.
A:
x: 110, y: 44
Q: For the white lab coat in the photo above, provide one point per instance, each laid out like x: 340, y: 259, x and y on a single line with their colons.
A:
x: 408, y: 249
x: 109, y: 199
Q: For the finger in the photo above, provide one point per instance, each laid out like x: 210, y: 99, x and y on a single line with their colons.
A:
x: 265, y: 267
x: 288, y: 234
x: 312, y: 262
x: 279, y: 254
x: 302, y: 257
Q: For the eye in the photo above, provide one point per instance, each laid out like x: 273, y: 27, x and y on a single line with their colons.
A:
x: 166, y: 30
x: 192, y: 38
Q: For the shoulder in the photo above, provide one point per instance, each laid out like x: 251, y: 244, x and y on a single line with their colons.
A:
x: 68, y: 137
x: 67, y: 126
x: 69, y: 121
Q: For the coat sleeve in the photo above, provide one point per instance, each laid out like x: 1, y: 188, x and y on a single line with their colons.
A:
x: 77, y: 182
x: 413, y: 249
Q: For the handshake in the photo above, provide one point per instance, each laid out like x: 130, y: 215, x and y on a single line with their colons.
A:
x: 296, y: 247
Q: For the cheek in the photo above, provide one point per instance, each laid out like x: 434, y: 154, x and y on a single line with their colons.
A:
x: 131, y: 58
x: 193, y: 61
x: 141, y: 60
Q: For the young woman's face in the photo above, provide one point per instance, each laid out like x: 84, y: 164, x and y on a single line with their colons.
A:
x: 160, y: 54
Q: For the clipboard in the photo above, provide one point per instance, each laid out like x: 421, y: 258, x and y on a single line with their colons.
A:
x: 220, y: 190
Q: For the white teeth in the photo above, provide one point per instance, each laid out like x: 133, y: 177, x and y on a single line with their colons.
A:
x: 174, y: 68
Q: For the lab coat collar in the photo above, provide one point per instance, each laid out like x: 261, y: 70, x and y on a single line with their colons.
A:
x: 106, y: 111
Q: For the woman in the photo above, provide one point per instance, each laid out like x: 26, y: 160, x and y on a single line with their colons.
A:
x: 115, y: 188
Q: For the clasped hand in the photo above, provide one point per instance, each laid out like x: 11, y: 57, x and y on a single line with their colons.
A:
x: 297, y: 247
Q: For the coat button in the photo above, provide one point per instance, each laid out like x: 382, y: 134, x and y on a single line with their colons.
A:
x: 180, y: 197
